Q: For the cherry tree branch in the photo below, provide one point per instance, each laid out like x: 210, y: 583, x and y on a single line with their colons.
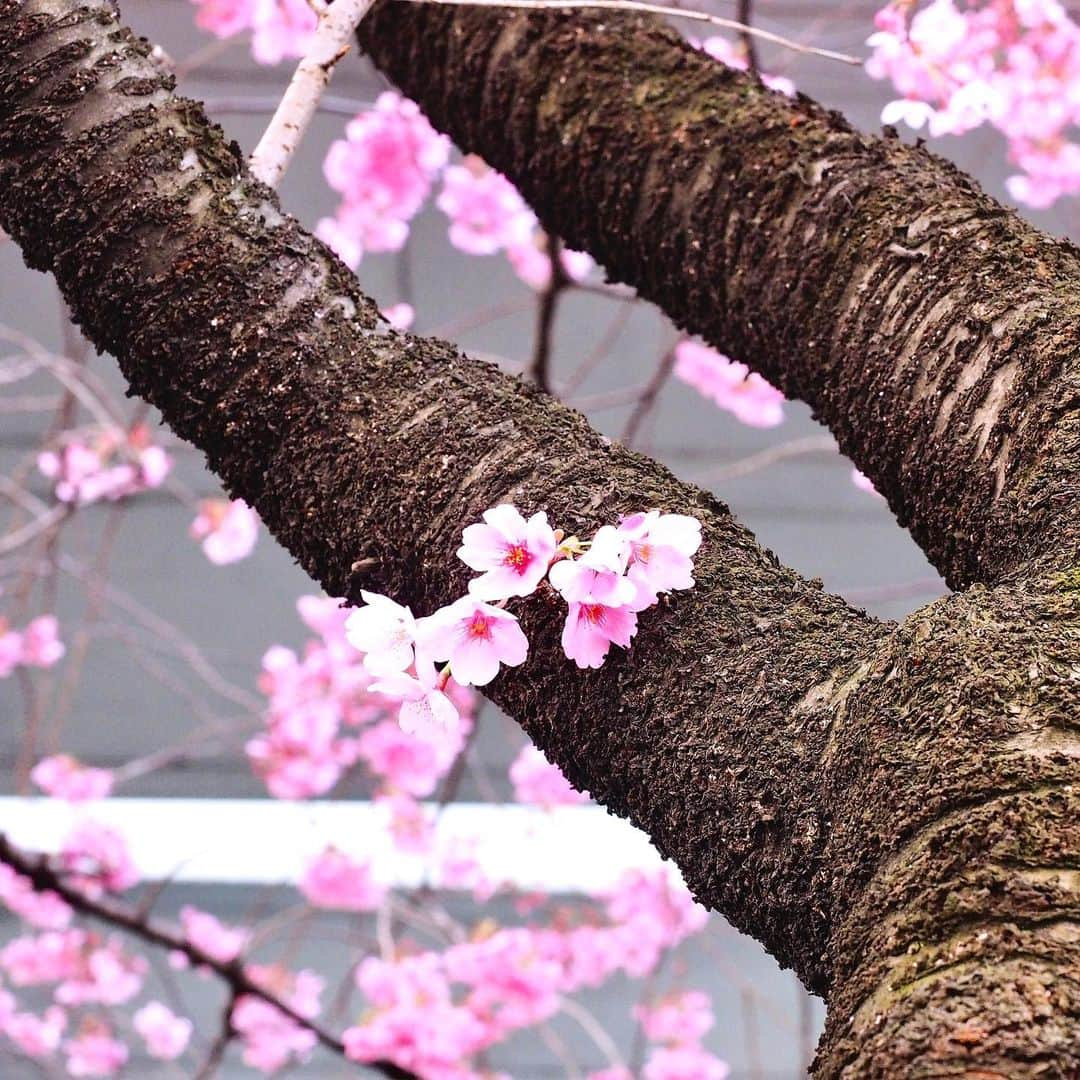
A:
x: 329, y: 44
x: 45, y: 878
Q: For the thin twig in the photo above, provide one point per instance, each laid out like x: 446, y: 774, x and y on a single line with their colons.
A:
x: 659, y: 9
x: 540, y: 366
x: 745, y: 15
x: 647, y: 402
x: 329, y: 44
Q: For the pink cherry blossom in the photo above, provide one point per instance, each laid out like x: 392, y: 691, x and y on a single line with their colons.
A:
x: 537, y: 780
x: 424, y: 705
x: 281, y: 29
x: 513, y: 553
x: 532, y: 263
x: 475, y: 638
x: 383, y: 169
x: 94, y: 1052
x: 598, y: 576
x: 485, y: 210
x: 684, y: 1063
x: 411, y: 762
x: 408, y: 823
x: 591, y: 629
x: 399, y: 316
x: 11, y: 649
x: 384, y: 631
x: 64, y: 777
x: 104, y: 463
x: 36, y: 1036
x: 662, y: 547
x: 228, y: 530
x: 333, y: 880
x: 863, y: 482
x: 44, y: 958
x: 616, y: 1072
x: 681, y: 1018
x: 101, y: 974
x: 41, y: 645
x: 270, y: 1038
x: 43, y: 910
x: 204, y: 931
x: 730, y: 385
x: 224, y: 18
x: 166, y: 1034
x: 97, y: 858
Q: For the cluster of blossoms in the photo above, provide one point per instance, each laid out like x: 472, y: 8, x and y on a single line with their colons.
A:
x: 678, y: 1023
x: 325, y: 715
x: 36, y: 645
x: 1014, y: 64
x: 104, y: 463
x: 605, y: 583
x: 731, y: 385
x: 432, y: 1011
x: 385, y: 169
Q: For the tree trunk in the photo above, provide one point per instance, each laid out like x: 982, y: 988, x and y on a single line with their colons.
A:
x: 892, y: 810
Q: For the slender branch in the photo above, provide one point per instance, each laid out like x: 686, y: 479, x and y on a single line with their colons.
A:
x: 657, y: 9
x: 330, y: 43
x: 647, y: 402
x: 746, y: 35
x: 540, y: 365
x: 44, y: 878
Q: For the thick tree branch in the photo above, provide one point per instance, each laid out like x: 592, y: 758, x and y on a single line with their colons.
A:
x: 935, y: 332
x: 893, y: 812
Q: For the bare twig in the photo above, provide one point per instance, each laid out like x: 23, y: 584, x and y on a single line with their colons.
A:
x: 647, y: 402
x: 330, y: 42
x: 661, y: 9
x: 540, y: 366
x: 745, y: 16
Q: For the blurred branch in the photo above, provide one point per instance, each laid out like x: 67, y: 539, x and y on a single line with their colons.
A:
x: 44, y: 878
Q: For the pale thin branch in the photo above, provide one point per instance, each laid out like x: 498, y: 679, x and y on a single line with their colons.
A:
x: 329, y: 44
x: 660, y: 9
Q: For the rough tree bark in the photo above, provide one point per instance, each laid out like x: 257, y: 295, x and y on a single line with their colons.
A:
x: 893, y: 811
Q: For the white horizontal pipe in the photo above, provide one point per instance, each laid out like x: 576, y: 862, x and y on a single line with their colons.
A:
x: 265, y: 841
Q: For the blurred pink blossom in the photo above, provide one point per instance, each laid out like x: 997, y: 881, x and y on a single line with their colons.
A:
x: 228, y: 530
x: 730, y: 385
x: 166, y: 1034
x: 64, y: 777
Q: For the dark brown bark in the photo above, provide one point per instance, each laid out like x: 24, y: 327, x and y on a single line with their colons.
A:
x: 931, y: 329
x: 892, y: 811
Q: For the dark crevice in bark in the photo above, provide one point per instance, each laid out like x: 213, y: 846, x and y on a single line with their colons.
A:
x: 781, y: 747
x: 930, y: 328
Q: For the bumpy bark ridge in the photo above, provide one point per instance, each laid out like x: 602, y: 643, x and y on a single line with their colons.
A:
x: 860, y: 798
x: 932, y: 330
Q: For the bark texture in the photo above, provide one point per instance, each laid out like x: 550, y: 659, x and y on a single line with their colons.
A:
x: 930, y: 328
x: 891, y: 810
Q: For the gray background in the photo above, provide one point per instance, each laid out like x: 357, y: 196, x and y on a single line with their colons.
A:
x: 137, y: 694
